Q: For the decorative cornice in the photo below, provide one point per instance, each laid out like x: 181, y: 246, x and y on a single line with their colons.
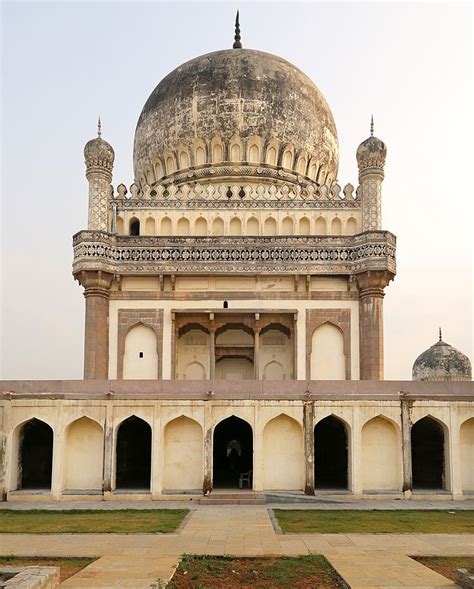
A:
x: 375, y: 250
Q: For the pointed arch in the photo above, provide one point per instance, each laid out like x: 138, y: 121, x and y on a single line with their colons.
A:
x: 236, y: 149
x: 253, y: 226
x: 331, y: 456
x: 287, y: 158
x: 235, y: 226
x: 134, y: 226
x: 140, y: 360
x: 158, y: 170
x: 351, y: 226
x: 200, y: 226
x: 287, y: 226
x: 232, y: 451
x: 166, y: 226
x: 320, y: 226
x: 218, y: 226
x: 428, y: 453
x: 273, y: 370
x: 272, y: 155
x: 254, y: 149
x: 182, y: 226
x: 84, y: 450
x: 32, y: 449
x: 466, y: 437
x: 150, y: 226
x: 133, y: 454
x: 119, y: 225
x: 217, y: 150
x: 283, y: 454
x: 183, y: 455
x: 304, y: 226
x: 336, y: 226
x: 328, y: 360
x: 270, y: 226
x: 381, y: 454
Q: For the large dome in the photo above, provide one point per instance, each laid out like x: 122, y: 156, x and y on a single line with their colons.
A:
x: 238, y: 106
x: 442, y: 362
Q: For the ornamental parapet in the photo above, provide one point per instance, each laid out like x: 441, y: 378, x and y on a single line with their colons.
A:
x: 98, y: 250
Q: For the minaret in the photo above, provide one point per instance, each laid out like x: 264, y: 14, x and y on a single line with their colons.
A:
x: 99, y: 159
x: 371, y: 155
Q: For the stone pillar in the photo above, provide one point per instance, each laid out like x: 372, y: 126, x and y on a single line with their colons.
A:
x: 108, y: 451
x: 407, y: 486
x: 371, y: 292
x: 5, y: 448
x: 452, y: 450
x: 355, y: 454
x: 258, y: 457
x: 207, y: 481
x: 96, y: 339
x: 256, y: 347
x: 308, y: 433
x: 58, y: 453
x: 157, y: 454
x: 212, y: 348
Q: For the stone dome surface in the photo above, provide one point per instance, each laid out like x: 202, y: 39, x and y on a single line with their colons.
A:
x: 442, y: 362
x: 98, y: 152
x: 371, y: 153
x: 235, y: 92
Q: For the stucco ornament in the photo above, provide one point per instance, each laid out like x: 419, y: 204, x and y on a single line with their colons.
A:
x: 371, y: 153
x: 99, y: 153
x: 253, y: 105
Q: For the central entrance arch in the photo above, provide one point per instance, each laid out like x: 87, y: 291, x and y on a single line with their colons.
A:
x: 133, y: 457
x: 232, y: 452
x: 330, y: 454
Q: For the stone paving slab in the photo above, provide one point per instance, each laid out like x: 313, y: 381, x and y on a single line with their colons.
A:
x: 138, y: 560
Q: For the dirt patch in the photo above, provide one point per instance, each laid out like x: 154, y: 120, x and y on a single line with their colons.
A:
x: 68, y: 566
x: 216, y: 572
x: 447, y: 565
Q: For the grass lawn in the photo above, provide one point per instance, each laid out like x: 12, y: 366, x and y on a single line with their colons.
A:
x: 447, y: 565
x: 375, y: 522
x: 68, y: 566
x: 215, y: 572
x: 78, y: 521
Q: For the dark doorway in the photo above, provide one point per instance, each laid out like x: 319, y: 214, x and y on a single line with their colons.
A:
x: 36, y: 455
x: 133, y: 454
x: 232, y: 452
x: 330, y: 454
x: 427, y: 454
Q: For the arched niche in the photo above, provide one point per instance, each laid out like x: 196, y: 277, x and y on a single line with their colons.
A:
x: 253, y: 226
x: 218, y: 227
x: 158, y: 170
x: 235, y: 226
x: 273, y: 370
x: 140, y: 359
x: 33, y: 449
x: 301, y: 165
x: 287, y: 226
x: 380, y: 456
x: 170, y: 164
x: 182, y: 226
x: 184, y: 161
x: 200, y: 227
x: 200, y: 155
x: 254, y: 153
x: 283, y: 454
x: 133, y: 454
x: 272, y: 155
x: 150, y: 226
x: 351, y: 226
x: 287, y: 159
x: 276, y: 353
x: 336, y: 226
x: 270, y: 226
x: 150, y: 178
x: 193, y: 353
x: 428, y: 454
x: 313, y: 170
x: 84, y: 455
x: 331, y: 454
x: 134, y: 226
x: 320, y: 226
x: 166, y: 226
x: 232, y: 451
x: 217, y: 150
x: 304, y: 226
x: 467, y: 455
x: 327, y: 353
x: 119, y: 225
x: 183, y: 455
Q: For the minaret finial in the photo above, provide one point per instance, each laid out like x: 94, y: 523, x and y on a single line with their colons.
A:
x: 237, y: 44
x: 440, y: 334
x: 99, y: 127
x: 372, y: 126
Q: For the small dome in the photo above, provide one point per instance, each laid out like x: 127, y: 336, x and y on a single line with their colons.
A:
x: 371, y: 153
x: 232, y: 96
x: 98, y: 152
x: 442, y: 362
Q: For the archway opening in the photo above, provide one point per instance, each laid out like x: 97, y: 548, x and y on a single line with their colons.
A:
x: 36, y: 455
x: 330, y: 454
x: 427, y: 451
x: 133, y: 465
x: 232, y: 452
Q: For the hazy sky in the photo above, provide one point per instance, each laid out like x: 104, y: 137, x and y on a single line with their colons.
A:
x: 63, y: 63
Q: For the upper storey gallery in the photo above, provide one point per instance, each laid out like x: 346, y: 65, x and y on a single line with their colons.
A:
x: 236, y: 142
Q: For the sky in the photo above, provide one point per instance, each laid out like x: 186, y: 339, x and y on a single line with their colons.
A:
x: 64, y: 63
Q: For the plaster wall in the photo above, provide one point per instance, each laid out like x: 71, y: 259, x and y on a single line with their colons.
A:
x: 467, y: 455
x: 84, y: 449
x: 183, y: 455
x: 283, y: 457
x: 298, y: 305
x: 381, y: 452
x: 140, y: 358
x: 327, y: 355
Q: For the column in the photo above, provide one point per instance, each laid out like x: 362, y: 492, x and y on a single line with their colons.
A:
x: 207, y: 481
x: 157, y: 453
x: 6, y: 447
x: 108, y: 451
x: 256, y: 347
x: 407, y: 486
x: 258, y: 457
x: 452, y: 449
x: 371, y: 292
x: 355, y: 442
x: 308, y: 433
x: 96, y: 339
x: 212, y: 350
x: 58, y: 453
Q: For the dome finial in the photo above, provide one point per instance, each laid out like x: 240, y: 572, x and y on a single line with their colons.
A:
x: 99, y: 127
x: 372, y: 126
x: 237, y: 44
x: 440, y: 335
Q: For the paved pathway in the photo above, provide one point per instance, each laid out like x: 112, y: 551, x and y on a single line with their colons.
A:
x: 366, y: 561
